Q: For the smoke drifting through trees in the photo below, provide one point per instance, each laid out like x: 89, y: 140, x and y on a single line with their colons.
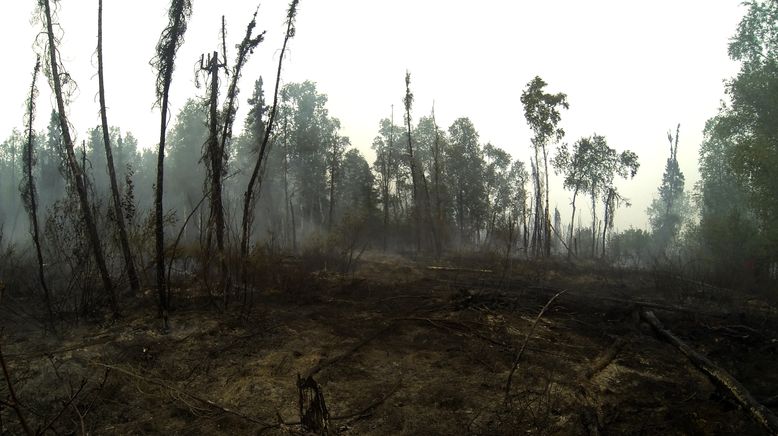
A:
x: 296, y: 184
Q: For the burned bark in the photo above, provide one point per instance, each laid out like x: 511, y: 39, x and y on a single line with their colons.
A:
x: 129, y: 263
x: 29, y: 193
x: 169, y: 41
x: 248, y: 196
x: 77, y: 172
x: 718, y: 375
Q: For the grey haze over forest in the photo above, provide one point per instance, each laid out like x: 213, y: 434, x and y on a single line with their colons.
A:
x: 631, y: 71
x: 502, y: 217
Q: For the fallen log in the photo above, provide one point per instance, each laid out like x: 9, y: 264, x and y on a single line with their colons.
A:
x: 604, y: 359
x: 721, y: 377
x: 449, y: 268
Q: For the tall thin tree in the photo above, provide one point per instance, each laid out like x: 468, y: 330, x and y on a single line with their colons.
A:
x: 27, y: 189
x: 248, y: 209
x: 408, y: 102
x: 129, y: 263
x: 164, y: 62
x: 542, y: 112
x: 213, y: 158
x: 55, y: 78
x: 219, y: 151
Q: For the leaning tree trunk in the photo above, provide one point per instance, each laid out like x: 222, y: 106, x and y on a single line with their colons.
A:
x: 717, y: 374
x: 75, y: 169
x: 608, y: 218
x: 28, y: 191
x: 132, y: 275
x: 249, y: 194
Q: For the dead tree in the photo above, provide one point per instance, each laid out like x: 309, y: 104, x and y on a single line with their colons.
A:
x: 169, y: 42
x: 436, y: 177
x: 213, y: 157
x: 27, y: 189
x: 408, y: 102
x: 718, y: 375
x: 338, y: 144
x: 248, y: 196
x: 245, y: 48
x: 14, y: 403
x: 56, y: 77
x: 129, y: 263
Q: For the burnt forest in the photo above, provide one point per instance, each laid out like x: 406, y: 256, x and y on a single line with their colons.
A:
x: 369, y: 218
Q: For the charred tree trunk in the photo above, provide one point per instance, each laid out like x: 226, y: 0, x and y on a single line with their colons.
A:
x: 28, y: 191
x: 436, y: 164
x: 721, y: 377
x: 169, y: 42
x: 537, y: 228
x: 572, y: 220
x: 214, y: 158
x: 333, y: 173
x: 428, y: 215
x: 249, y: 194
x: 594, y: 223
x: 76, y: 170
x: 129, y: 263
x: 607, y: 219
x: 245, y: 48
x: 408, y: 100
x: 287, y: 199
x: 547, y: 212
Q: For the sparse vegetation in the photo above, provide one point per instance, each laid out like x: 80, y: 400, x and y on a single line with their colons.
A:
x: 303, y: 290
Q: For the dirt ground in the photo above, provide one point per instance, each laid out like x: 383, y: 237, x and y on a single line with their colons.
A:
x: 400, y: 348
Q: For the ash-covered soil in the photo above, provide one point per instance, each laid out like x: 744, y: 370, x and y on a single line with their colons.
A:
x: 402, y: 348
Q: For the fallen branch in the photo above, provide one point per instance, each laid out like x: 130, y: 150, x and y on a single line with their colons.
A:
x: 181, y: 392
x: 448, y: 268
x: 370, y: 406
x: 14, y: 403
x: 636, y: 303
x: 720, y: 376
x: 591, y: 413
x: 524, y: 345
x: 604, y: 359
x: 327, y: 362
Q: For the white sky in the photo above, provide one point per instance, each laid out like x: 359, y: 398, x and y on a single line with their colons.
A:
x: 631, y: 70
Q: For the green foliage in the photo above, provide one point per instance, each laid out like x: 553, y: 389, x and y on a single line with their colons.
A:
x: 669, y: 210
x: 465, y: 169
x: 185, y: 173
x: 756, y: 41
x: 356, y: 183
x: 739, y: 157
x: 542, y: 111
x: 631, y: 248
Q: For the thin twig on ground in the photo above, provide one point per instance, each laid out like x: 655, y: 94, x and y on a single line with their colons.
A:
x: 178, y: 391
x: 517, y: 359
x: 14, y: 403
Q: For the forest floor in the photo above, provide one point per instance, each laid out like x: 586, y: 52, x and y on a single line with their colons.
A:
x: 398, y: 347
